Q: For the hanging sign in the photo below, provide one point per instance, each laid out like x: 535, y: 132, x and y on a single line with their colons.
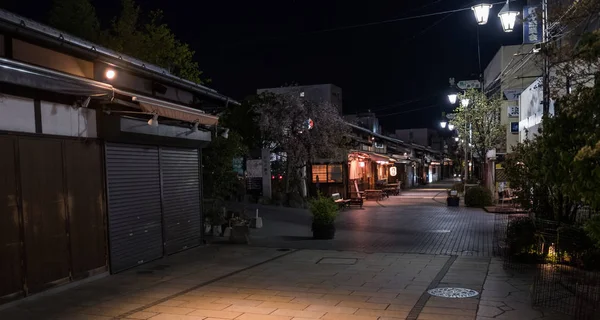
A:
x: 393, y: 171
x: 469, y: 84
x: 532, y: 25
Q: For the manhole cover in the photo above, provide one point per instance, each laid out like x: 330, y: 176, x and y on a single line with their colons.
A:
x: 453, y: 292
x: 346, y: 261
x: 438, y: 231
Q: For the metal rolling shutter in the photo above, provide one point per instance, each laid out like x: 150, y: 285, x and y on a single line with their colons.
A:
x: 134, y: 203
x: 181, y: 198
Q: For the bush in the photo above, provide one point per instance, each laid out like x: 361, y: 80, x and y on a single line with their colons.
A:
x: 478, y: 197
x: 521, y: 236
x: 324, y: 210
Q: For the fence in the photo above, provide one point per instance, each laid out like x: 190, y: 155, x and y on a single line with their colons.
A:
x: 559, y: 259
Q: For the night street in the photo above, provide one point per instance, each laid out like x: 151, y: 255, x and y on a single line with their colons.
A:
x: 380, y: 266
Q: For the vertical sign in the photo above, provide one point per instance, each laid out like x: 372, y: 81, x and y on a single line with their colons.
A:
x: 532, y: 25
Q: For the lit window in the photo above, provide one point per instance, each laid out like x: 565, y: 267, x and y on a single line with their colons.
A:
x: 327, y: 173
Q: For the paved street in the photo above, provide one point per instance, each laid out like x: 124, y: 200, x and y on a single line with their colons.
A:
x: 380, y: 266
x: 418, y: 221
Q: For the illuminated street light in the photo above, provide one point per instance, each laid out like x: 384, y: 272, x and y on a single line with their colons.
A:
x: 508, y: 17
x: 452, y: 98
x: 482, y: 12
x: 450, y: 126
x: 464, y: 102
x: 443, y: 124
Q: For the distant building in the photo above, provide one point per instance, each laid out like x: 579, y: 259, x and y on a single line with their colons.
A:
x: 366, y: 120
x: 329, y: 93
x: 421, y: 136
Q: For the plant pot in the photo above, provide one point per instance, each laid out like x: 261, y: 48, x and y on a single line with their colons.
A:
x: 325, y: 232
x: 453, y: 201
x: 240, y: 234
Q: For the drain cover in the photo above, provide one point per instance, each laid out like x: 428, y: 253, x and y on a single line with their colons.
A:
x: 453, y: 292
x: 346, y: 261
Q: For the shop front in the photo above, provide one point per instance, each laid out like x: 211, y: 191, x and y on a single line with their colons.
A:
x: 367, y: 171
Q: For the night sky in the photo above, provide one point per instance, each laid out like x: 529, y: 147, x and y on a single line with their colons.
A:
x: 245, y: 45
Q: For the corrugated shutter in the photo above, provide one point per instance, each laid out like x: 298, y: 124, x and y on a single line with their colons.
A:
x: 134, y: 203
x: 181, y: 198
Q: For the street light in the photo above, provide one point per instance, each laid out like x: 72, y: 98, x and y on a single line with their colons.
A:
x: 508, y: 17
x: 464, y: 102
x: 482, y: 12
x: 443, y: 123
x: 452, y: 98
x: 450, y: 126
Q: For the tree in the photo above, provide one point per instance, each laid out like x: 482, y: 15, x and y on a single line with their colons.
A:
x: 146, y: 38
x: 219, y: 179
x: 479, y: 123
x: 77, y: 17
x: 284, y: 125
x: 243, y: 119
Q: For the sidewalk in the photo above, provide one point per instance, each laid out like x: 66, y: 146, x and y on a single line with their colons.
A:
x: 246, y: 283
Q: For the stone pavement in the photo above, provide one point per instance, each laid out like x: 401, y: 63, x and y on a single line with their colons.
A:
x: 246, y: 283
x: 381, y: 265
x: 418, y: 221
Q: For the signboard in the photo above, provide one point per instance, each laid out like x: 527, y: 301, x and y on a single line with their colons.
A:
x: 512, y: 95
x: 513, y: 111
x: 532, y: 25
x: 469, y: 84
x: 254, y: 168
x: 514, y: 127
x: 393, y: 171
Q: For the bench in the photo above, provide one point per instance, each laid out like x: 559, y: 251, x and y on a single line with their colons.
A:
x: 337, y: 198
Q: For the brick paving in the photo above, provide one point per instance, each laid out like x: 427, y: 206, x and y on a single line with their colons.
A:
x: 418, y: 221
x: 379, y: 267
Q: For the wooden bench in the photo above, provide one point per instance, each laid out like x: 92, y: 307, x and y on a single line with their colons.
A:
x: 337, y: 198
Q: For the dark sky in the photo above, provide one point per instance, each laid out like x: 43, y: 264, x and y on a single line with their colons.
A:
x: 245, y: 45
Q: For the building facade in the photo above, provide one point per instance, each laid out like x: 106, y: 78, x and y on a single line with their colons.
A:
x: 318, y: 93
x: 101, y: 160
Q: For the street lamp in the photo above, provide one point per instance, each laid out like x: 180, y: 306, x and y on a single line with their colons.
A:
x: 482, y: 12
x: 443, y: 123
x: 452, y: 98
x: 450, y: 126
x: 508, y: 17
x: 464, y: 102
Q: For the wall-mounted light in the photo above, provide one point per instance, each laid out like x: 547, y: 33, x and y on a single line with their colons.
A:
x: 361, y: 164
x: 195, y: 128
x: 154, y: 121
x: 110, y: 74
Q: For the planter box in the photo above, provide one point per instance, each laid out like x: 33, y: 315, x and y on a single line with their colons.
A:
x: 323, y: 232
x: 240, y: 234
x: 453, y: 201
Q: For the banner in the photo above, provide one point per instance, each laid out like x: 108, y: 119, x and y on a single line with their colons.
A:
x: 532, y: 25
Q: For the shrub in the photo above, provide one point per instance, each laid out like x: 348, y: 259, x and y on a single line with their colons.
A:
x: 478, y: 197
x: 592, y: 228
x: 521, y: 236
x: 324, y: 210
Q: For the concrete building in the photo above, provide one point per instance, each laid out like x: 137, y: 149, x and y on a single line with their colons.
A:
x: 422, y: 136
x: 511, y: 71
x: 318, y: 93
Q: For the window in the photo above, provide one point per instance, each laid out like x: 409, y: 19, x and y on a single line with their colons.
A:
x: 327, y: 173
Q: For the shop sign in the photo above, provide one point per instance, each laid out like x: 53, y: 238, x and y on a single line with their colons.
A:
x: 254, y: 168
x: 393, y: 171
x: 513, y: 111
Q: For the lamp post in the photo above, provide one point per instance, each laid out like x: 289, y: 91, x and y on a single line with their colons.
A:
x: 465, y: 103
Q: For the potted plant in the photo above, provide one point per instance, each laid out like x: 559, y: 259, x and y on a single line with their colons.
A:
x: 240, y: 230
x: 453, y: 199
x: 324, y: 211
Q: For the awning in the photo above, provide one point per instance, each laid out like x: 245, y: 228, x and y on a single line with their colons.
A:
x: 27, y: 75
x: 171, y: 110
